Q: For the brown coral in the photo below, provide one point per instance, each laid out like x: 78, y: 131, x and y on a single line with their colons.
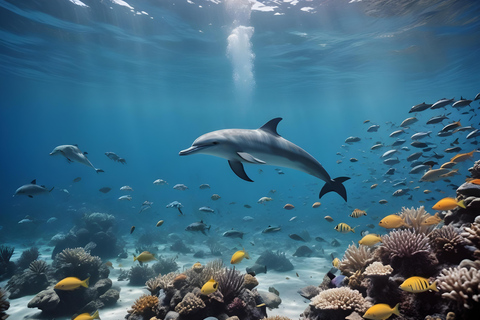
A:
x: 462, y: 284
x: 355, y: 258
x: 145, y: 306
x: 190, y: 304
x: 415, y: 217
x: 449, y: 245
x: 340, y: 298
x: 179, y: 281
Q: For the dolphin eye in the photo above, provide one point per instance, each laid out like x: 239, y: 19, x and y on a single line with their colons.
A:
x: 215, y: 142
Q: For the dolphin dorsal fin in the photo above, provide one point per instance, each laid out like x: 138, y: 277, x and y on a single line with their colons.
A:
x: 271, y: 126
x: 34, y: 181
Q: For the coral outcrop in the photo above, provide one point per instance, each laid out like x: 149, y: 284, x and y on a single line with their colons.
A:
x: 4, y: 305
x: 355, y: 258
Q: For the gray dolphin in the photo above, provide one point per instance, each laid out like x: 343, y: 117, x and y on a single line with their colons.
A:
x: 73, y: 154
x: 263, y: 146
x: 31, y: 189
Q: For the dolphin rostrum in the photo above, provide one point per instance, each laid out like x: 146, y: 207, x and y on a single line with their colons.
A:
x: 263, y: 146
x: 73, y: 154
x: 32, y: 189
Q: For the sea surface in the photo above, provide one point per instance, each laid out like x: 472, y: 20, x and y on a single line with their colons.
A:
x: 145, y: 78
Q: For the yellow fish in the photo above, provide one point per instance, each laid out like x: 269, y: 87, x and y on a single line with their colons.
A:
x: 381, y: 311
x: 209, y: 287
x: 462, y: 156
x: 344, y: 228
x: 373, y: 186
x: 357, y: 213
x: 418, y: 284
x: 159, y: 223
x: 87, y: 316
x: 71, y: 283
x: 145, y: 256
x: 392, y: 221
x: 474, y: 181
x: 316, y: 205
x: 448, y: 204
x: 370, y: 239
x: 435, y: 219
x: 288, y: 206
x: 238, y: 256
x: 336, y: 262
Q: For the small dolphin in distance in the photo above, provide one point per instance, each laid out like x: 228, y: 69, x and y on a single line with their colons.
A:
x: 32, y: 189
x: 73, y: 154
x: 263, y: 146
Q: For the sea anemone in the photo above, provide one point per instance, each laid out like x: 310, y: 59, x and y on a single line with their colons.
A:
x: 230, y: 284
x: 355, y: 258
x: 462, y: 284
x: 408, y: 252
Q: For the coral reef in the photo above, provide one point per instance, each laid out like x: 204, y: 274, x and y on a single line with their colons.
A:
x: 145, y: 306
x: 165, y: 265
x: 449, y: 245
x: 275, y: 261
x: 336, y: 303
x: 138, y: 275
x: 38, y: 266
x: 179, y: 246
x: 230, y: 284
x: 415, y: 217
x: 4, y: 305
x: 7, y: 267
x: 475, y: 170
x: 408, y: 252
x: 462, y: 285
x: 78, y: 263
x: 28, y: 282
x: 190, y: 304
x: 250, y: 282
x: 355, y: 258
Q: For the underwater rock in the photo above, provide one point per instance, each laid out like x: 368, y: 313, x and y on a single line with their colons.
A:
x: 276, y: 261
x: 303, y: 251
x: 270, y: 299
x: 179, y: 246
x: 469, y: 189
x: 475, y: 170
x: 110, y: 297
x: 46, y: 300
x: 26, y: 283
x: 172, y: 315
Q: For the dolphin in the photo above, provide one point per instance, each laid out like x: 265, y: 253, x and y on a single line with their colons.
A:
x: 263, y: 146
x: 31, y: 189
x: 73, y: 154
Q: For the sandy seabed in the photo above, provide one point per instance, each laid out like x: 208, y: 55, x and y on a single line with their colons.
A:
x: 310, y: 272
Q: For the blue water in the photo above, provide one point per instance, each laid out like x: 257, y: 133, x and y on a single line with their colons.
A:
x: 111, y: 78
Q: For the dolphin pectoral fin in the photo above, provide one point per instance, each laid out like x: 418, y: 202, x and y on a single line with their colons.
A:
x: 30, y: 196
x: 69, y: 160
x: 249, y: 158
x: 271, y: 126
x: 99, y: 170
x: 336, y: 186
x: 237, y: 167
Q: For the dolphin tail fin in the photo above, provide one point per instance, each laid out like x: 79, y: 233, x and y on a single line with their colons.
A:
x: 336, y: 186
x: 99, y: 170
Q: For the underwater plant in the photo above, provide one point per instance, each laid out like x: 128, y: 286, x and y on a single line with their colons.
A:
x: 27, y: 257
x: 38, y: 266
x: 230, y: 284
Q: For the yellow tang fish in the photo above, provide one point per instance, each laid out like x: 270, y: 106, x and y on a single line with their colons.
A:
x: 145, y: 256
x: 381, y: 311
x: 336, y: 262
x: 71, y: 283
x: 344, y: 228
x: 370, y: 239
x: 435, y: 219
x: 392, y: 221
x: 448, y: 204
x: 238, y: 256
x: 418, y: 284
x: 210, y: 286
x: 357, y: 213
x: 87, y: 316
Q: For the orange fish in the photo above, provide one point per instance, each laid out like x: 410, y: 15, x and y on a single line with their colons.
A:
x: 475, y: 181
x: 288, y: 206
x: 448, y: 204
x: 462, y: 156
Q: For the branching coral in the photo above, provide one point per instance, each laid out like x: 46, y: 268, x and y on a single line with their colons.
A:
x: 190, y: 304
x: 355, y: 258
x: 462, y: 284
x: 415, y: 217
x: 449, y: 245
x: 340, y: 298
x: 4, y: 305
x: 145, y: 306
x: 408, y: 252
x: 38, y: 266
x: 27, y: 257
